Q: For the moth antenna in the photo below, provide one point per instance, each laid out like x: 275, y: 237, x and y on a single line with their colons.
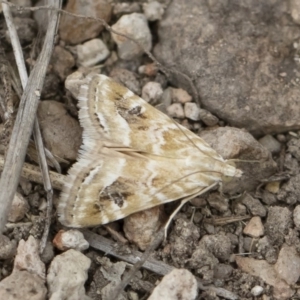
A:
x: 191, y: 140
x: 185, y: 176
x: 242, y: 160
x: 184, y: 201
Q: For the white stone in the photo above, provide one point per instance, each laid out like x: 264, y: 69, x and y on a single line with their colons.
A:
x: 152, y: 92
x: 257, y: 290
x: 136, y: 26
x: 191, y: 111
x: 178, y: 284
x: 67, y: 274
x: 92, y: 52
x: 153, y: 10
x: 175, y: 110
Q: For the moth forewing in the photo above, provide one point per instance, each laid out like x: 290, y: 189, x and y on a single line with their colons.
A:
x: 133, y: 157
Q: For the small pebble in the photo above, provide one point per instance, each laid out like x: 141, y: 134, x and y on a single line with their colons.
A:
x: 149, y: 70
x: 126, y: 78
x: 254, y: 205
x: 166, y: 97
x: 198, y: 202
x: 288, y: 264
x: 178, y: 284
x: 240, y: 209
x: 28, y: 258
x: 67, y: 275
x: 43, y: 204
x: 207, y: 118
x: 62, y: 62
x: 140, y: 228
x: 218, y: 202
x: 18, y: 208
x: 180, y: 95
x: 34, y: 200
x: 152, y: 92
x: 254, y: 228
x: 126, y: 8
x: 92, y: 52
x: 153, y: 10
x: 26, y: 186
x: 191, y: 111
x: 269, y: 142
x: 71, y: 239
x: 273, y: 187
x: 136, y: 26
x: 175, y: 110
x: 7, y: 247
x: 222, y: 271
x: 281, y: 138
x: 74, y: 30
x: 249, y: 244
x: 257, y: 290
x: 48, y: 253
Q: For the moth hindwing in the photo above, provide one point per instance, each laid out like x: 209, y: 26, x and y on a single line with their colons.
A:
x: 133, y: 157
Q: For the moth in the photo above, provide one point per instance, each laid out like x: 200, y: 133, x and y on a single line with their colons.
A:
x: 133, y: 157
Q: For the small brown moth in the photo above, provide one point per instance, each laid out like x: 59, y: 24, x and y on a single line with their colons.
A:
x: 133, y: 158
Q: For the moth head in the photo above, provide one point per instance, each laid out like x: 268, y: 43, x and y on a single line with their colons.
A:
x: 237, y: 172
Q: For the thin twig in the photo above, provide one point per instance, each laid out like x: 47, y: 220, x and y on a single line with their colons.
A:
x: 33, y: 173
x: 36, y: 130
x: 25, y: 121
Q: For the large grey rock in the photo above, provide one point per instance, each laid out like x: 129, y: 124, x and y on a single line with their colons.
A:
x: 242, y: 57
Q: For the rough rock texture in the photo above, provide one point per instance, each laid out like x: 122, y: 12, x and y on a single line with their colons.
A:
x: 67, y: 275
x: 142, y: 227
x: 179, y: 284
x: 135, y: 25
x: 277, y: 225
x: 61, y: 132
x: 288, y: 264
x: 231, y: 143
x: 19, y: 208
x: 7, y: 247
x: 28, y: 258
x: 22, y: 285
x: 241, y: 56
x: 267, y: 273
x: 76, y: 30
x: 184, y: 239
x: 70, y: 239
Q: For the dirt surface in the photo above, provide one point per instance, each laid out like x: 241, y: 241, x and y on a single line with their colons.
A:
x: 240, y: 240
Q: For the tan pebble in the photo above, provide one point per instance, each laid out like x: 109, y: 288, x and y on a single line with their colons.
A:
x: 254, y: 228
